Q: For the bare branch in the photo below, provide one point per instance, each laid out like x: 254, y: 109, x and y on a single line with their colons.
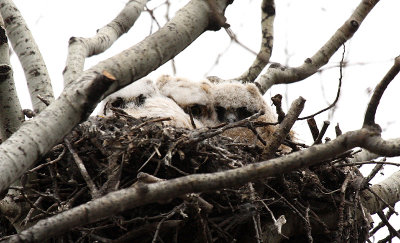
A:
x: 284, y: 127
x: 80, y: 48
x: 277, y: 74
x: 11, y: 113
x: 29, y: 55
x: 267, y: 41
x: 369, y: 119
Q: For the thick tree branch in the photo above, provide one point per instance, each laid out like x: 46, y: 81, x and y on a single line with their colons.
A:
x: 267, y: 41
x: 142, y: 194
x: 11, y: 116
x: 80, y: 48
x: 277, y: 74
x: 29, y: 55
x: 77, y: 101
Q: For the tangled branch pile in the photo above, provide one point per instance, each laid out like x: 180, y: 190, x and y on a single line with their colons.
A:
x: 107, y: 154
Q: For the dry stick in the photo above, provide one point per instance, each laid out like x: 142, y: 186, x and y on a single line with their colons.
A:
x: 338, y: 131
x: 373, y: 172
x: 276, y: 74
x: 381, y: 224
x: 284, y: 127
x: 343, y: 188
x: 277, y: 101
x: 388, y: 225
x: 313, y: 128
x: 267, y: 41
x: 59, y: 157
x: 322, y: 133
x: 93, y: 190
x: 369, y: 119
x: 366, y: 163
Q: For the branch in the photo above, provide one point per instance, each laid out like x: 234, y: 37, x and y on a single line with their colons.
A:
x: 369, y: 119
x: 277, y: 74
x: 80, y: 48
x: 77, y: 101
x: 31, y: 59
x: 142, y: 194
x: 279, y: 135
x: 11, y: 116
x: 267, y: 41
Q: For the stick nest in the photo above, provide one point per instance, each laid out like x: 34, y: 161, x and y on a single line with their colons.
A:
x: 118, y: 150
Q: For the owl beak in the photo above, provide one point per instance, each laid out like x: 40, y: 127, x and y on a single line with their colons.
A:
x: 231, y: 117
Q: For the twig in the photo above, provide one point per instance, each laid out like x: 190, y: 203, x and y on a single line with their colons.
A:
x: 338, y: 131
x: 368, y: 162
x: 284, y: 127
x: 338, y: 89
x: 388, y: 225
x: 313, y: 128
x: 277, y: 101
x: 92, y: 187
x: 381, y: 224
x: 373, y: 172
x: 59, y: 157
x: 382, y: 200
x: 168, y: 216
x: 322, y: 132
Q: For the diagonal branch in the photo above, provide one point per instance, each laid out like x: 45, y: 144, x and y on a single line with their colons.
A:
x: 80, y: 48
x: 277, y: 74
x: 31, y: 59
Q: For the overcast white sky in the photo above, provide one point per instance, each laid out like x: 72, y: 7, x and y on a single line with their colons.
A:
x: 301, y: 28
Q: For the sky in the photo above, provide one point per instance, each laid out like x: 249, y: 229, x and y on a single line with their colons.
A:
x: 301, y: 28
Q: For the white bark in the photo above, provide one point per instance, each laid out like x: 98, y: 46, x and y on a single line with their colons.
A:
x: 11, y: 116
x: 80, y: 48
x: 77, y: 101
x: 29, y: 55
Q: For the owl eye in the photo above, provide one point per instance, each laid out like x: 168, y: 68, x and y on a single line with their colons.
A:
x: 196, y: 110
x: 220, y: 113
x: 117, y: 103
x: 140, y: 100
x: 243, y: 112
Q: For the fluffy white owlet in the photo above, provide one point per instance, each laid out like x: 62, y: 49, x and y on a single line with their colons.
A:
x: 194, y: 98
x: 143, y: 99
x: 234, y: 101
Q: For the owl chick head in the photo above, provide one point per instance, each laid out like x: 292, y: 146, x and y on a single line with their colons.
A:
x: 234, y: 101
x: 194, y: 98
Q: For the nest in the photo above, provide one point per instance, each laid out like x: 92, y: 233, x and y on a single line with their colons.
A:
x: 118, y: 150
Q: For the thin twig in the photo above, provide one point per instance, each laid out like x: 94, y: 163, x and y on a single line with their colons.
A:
x: 338, y: 89
x: 92, y: 187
